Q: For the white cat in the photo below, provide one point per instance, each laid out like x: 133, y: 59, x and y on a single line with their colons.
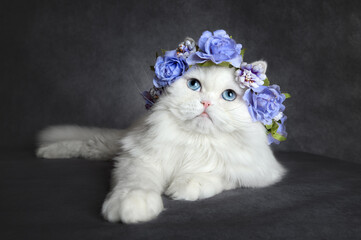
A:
x: 191, y: 145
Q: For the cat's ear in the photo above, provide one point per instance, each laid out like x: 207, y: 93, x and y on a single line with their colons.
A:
x: 262, y: 65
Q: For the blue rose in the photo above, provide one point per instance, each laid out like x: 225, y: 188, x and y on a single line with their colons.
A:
x: 168, y: 69
x: 217, y: 47
x: 264, y: 103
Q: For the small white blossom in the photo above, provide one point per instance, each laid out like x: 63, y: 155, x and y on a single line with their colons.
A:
x: 258, y: 68
x: 278, y: 116
x: 247, y: 78
x: 186, y: 47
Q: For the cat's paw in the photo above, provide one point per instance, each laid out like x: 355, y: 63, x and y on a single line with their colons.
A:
x: 132, y: 207
x: 195, y: 187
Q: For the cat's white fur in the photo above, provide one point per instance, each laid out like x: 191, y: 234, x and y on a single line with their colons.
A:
x: 174, y: 149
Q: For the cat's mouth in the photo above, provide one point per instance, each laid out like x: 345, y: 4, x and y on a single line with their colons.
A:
x: 204, y: 114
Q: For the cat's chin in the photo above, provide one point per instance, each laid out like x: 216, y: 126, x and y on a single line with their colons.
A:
x: 203, y: 123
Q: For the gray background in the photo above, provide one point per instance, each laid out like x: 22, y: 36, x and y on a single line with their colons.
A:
x: 82, y: 62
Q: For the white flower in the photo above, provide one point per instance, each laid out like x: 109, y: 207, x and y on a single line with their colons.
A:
x: 186, y: 47
x: 278, y: 116
x: 258, y: 68
x: 247, y: 78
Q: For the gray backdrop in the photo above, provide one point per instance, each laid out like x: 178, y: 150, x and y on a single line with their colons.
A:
x: 82, y: 62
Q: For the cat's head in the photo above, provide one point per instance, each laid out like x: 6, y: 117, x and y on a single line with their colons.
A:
x: 207, y: 100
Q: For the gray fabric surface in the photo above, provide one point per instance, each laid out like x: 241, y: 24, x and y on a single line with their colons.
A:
x: 320, y: 198
x: 82, y: 62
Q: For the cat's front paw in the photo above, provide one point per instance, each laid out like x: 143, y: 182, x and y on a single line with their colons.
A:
x: 132, y: 207
x: 195, y: 187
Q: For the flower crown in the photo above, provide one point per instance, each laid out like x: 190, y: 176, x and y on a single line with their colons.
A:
x: 265, y: 101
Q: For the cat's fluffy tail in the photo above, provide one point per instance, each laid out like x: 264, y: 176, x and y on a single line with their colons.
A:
x: 75, y: 141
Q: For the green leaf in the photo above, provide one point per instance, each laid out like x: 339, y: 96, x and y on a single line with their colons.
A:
x: 152, y: 68
x: 207, y: 64
x: 224, y: 64
x: 242, y: 52
x: 156, y: 55
x: 279, y: 137
x: 268, y: 127
x: 210, y: 63
x: 230, y: 37
x: 287, y: 95
x: 274, y: 127
x: 163, y: 51
x: 266, y: 82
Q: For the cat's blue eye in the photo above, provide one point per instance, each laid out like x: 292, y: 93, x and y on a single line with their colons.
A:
x: 194, y: 84
x: 229, y: 95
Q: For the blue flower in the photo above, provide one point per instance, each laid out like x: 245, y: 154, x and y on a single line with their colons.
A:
x: 217, y: 47
x: 264, y: 103
x: 250, y: 76
x: 168, y: 69
x: 281, y: 131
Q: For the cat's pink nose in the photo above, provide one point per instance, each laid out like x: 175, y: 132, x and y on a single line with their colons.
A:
x: 206, y: 104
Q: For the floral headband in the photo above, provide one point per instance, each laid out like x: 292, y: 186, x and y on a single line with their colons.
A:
x: 265, y: 101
